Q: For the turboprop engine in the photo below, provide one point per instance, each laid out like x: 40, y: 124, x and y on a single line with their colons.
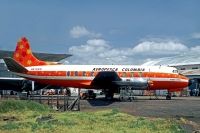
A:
x: 135, y: 83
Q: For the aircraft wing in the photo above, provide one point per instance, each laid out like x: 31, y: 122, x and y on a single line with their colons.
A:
x: 105, y: 79
x: 110, y: 79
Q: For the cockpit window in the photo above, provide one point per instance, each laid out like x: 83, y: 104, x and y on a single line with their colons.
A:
x: 175, y: 71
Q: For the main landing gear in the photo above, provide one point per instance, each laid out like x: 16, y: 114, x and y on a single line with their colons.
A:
x: 126, y: 94
x: 109, y: 94
x: 169, y: 96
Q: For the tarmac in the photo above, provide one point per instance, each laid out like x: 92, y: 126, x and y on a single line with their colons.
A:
x: 187, y: 108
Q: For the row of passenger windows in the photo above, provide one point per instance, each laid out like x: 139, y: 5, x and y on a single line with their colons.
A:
x: 76, y: 73
x: 121, y: 74
x: 92, y: 74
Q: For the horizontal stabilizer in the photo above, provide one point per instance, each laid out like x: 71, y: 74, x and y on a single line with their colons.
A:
x: 14, y: 66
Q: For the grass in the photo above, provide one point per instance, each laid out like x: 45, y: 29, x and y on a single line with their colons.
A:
x: 21, y: 105
x: 29, y: 119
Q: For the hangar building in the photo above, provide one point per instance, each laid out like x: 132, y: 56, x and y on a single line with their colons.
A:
x: 187, y: 64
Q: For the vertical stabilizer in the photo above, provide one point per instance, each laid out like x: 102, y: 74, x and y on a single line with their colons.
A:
x: 24, y: 56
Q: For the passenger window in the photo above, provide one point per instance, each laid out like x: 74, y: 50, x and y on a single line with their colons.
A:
x: 68, y: 73
x: 175, y: 71
x: 76, y: 73
x: 92, y: 74
x: 140, y: 74
x: 124, y: 74
x: 132, y: 74
x: 84, y: 73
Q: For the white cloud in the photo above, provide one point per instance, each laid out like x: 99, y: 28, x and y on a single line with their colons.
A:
x: 99, y: 51
x: 196, y: 35
x: 195, y: 49
x: 164, y: 47
x: 91, y: 46
x: 81, y: 31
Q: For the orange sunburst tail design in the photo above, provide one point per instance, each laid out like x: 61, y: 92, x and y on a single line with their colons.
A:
x: 24, y: 56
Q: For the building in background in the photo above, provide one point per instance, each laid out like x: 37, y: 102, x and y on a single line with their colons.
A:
x: 9, y: 81
x: 187, y: 64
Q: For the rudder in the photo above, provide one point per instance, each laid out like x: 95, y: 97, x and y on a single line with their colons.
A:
x: 24, y: 56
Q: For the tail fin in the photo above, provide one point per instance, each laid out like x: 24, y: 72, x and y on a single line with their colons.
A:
x: 24, y: 56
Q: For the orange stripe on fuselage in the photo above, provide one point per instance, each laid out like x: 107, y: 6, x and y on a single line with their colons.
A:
x: 47, y: 73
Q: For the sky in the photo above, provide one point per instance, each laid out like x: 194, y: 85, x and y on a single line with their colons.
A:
x: 103, y: 31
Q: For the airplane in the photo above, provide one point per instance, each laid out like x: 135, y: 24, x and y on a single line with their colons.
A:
x: 106, y: 77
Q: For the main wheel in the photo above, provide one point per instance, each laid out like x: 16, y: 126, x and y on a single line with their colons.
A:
x: 109, y: 95
x: 168, y: 97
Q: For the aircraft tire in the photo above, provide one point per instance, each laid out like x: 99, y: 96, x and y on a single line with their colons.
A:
x: 168, y: 97
x: 109, y: 95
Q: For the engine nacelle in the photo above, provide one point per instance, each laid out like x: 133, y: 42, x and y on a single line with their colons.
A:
x: 134, y: 83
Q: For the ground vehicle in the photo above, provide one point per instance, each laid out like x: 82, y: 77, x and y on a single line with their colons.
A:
x: 50, y: 92
x: 87, y: 94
